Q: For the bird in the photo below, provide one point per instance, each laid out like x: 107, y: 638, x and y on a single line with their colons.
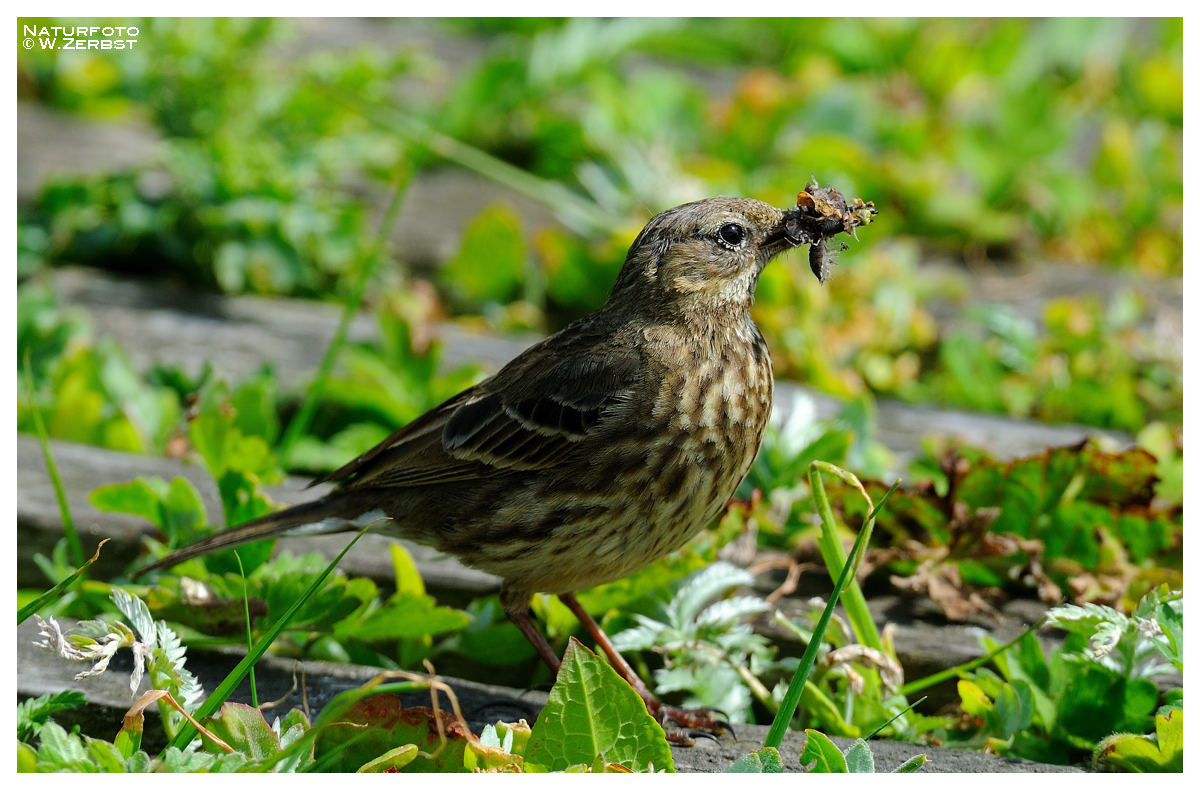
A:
x: 596, y: 451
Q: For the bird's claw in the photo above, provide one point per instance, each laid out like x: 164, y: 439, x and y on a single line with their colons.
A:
x: 692, y: 722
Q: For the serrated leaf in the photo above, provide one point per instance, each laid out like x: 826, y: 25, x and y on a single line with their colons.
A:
x: 33, y: 713
x: 731, y: 610
x: 825, y: 756
x: 137, y: 613
x: 593, y: 713
x: 641, y: 637
x: 702, y: 587
x: 859, y: 759
x: 168, y: 671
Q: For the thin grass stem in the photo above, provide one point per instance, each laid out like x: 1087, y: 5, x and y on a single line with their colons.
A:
x: 78, y: 558
x: 227, y: 686
x: 308, y: 407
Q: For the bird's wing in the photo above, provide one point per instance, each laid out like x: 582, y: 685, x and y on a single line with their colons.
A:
x: 529, y: 416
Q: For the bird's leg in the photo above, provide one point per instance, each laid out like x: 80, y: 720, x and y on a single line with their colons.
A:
x: 516, y: 606
x: 615, y: 658
x: 702, y: 720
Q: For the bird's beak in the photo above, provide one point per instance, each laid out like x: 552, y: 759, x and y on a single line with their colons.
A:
x: 780, y: 237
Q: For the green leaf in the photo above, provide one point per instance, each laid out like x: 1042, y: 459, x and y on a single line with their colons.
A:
x: 408, y: 578
x: 491, y: 263
x: 593, y: 713
x: 139, y: 497
x: 383, y: 724
x: 763, y: 761
x: 245, y: 729
x: 393, y: 758
x: 136, y: 613
x: 33, y: 713
x: 859, y: 759
x: 1159, y: 753
x: 26, y: 758
x: 62, y: 751
x: 825, y: 756
x: 405, y: 616
x: 911, y: 765
x: 129, y: 739
x: 702, y: 587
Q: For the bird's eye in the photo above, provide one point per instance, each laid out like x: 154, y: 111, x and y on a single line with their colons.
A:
x: 732, y: 234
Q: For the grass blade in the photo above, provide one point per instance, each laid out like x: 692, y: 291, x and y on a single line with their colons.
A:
x: 60, y: 494
x: 249, y: 631
x: 222, y: 692
x: 957, y: 671
x: 56, y: 592
x: 299, y: 424
x: 881, y: 727
x: 791, y: 699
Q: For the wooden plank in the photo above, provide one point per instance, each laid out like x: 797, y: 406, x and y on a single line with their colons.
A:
x: 109, y: 697
x: 164, y: 323
x: 85, y: 468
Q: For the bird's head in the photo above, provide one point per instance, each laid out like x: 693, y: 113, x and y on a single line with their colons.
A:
x: 704, y: 255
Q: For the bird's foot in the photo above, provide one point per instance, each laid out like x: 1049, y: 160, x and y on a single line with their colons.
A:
x: 682, y: 725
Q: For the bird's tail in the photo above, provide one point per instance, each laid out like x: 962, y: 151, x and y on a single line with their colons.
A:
x: 320, y: 517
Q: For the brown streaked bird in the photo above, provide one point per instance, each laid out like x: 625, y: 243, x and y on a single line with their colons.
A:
x: 596, y: 451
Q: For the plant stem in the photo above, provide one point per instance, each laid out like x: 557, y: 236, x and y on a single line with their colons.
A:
x: 231, y: 681
x: 299, y: 424
x: 57, y: 591
x: 577, y: 212
x: 834, y: 556
x: 60, y: 494
x: 791, y: 699
x: 249, y: 633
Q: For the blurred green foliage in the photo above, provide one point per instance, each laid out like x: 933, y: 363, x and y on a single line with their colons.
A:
x: 981, y: 140
x: 89, y: 391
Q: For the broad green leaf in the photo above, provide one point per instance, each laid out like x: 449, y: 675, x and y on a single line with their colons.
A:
x: 140, y: 497
x: 405, y: 616
x: 129, y: 739
x: 1162, y: 752
x: 185, y: 519
x: 825, y: 756
x: 26, y: 758
x: 763, y: 761
x: 974, y: 701
x: 244, y: 728
x: 593, y: 713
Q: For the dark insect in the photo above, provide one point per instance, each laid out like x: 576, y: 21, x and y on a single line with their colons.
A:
x: 820, y: 214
